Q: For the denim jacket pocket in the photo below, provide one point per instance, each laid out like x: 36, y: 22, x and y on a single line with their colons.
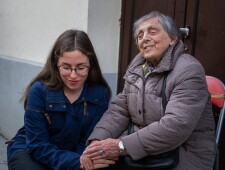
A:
x: 50, y: 106
x: 55, y: 114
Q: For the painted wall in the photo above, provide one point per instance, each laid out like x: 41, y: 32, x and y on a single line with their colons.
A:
x: 29, y: 27
x: 28, y: 30
x: 104, y: 30
x: 15, y: 74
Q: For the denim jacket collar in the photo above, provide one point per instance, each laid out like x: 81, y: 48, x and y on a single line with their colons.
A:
x: 57, y: 96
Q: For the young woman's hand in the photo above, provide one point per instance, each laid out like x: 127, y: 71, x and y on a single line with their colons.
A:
x: 87, y: 164
x: 102, y: 163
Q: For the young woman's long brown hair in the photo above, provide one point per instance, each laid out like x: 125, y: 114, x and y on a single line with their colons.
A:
x: 68, y: 41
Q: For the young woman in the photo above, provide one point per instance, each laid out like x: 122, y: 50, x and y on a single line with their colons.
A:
x: 62, y: 105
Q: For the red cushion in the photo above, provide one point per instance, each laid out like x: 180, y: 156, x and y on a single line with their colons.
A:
x: 217, y: 91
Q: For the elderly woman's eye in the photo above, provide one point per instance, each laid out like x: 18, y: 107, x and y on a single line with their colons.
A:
x: 140, y: 36
x: 153, y: 31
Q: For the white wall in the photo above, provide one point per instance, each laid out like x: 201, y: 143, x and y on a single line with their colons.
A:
x: 28, y: 29
x: 104, y: 30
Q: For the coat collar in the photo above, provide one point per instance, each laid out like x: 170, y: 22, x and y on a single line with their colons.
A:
x: 166, y: 64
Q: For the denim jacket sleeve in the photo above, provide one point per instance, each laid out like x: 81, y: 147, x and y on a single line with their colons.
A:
x: 37, y: 136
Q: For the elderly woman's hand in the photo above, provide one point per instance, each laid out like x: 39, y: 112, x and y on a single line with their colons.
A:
x: 104, y: 149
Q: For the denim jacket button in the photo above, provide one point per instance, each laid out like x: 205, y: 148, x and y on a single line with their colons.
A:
x: 64, y: 106
x: 50, y: 105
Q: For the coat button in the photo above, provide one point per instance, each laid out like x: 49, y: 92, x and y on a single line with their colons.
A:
x: 50, y: 105
x: 64, y: 106
x: 139, y: 111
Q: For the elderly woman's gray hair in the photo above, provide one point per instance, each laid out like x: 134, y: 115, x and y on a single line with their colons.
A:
x: 166, y: 21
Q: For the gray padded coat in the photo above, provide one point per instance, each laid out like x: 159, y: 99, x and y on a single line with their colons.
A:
x: 187, y: 122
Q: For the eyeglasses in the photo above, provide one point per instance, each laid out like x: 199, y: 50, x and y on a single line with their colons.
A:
x: 80, y: 70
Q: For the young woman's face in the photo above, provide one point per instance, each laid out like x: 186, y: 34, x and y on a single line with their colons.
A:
x: 73, y: 68
x: 153, y: 40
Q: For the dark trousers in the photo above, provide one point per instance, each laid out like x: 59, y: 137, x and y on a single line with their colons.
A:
x: 23, y: 161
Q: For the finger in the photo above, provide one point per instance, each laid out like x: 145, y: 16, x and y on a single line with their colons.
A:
x: 88, y: 166
x: 95, y: 155
x: 97, y: 166
x: 92, y: 150
x: 103, y: 161
x: 110, y: 161
x: 95, y: 144
x: 86, y: 163
x: 103, y: 155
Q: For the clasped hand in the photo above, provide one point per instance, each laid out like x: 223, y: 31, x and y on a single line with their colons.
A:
x: 100, y: 154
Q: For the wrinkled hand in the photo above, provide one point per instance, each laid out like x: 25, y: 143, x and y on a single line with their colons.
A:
x: 104, y: 149
x: 86, y: 163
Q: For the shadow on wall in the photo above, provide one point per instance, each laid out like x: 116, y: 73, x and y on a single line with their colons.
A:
x: 15, y: 74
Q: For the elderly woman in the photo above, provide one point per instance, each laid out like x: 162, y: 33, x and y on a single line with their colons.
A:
x: 187, y: 121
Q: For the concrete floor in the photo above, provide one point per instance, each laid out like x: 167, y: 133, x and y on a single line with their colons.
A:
x: 3, y: 158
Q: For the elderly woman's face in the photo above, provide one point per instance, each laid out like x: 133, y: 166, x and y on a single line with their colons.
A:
x: 153, y: 40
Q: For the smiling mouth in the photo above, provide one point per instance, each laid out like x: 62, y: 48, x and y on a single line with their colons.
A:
x: 73, y: 81
x: 148, y: 46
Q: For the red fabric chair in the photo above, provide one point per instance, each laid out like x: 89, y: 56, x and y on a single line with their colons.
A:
x: 217, y: 91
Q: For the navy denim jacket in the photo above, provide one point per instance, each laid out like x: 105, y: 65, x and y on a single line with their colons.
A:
x: 59, y: 143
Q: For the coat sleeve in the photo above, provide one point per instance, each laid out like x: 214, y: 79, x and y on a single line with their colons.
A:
x: 186, y: 105
x: 37, y: 136
x: 115, y: 120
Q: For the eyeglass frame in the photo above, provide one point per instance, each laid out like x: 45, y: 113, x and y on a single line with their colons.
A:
x: 75, y: 69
